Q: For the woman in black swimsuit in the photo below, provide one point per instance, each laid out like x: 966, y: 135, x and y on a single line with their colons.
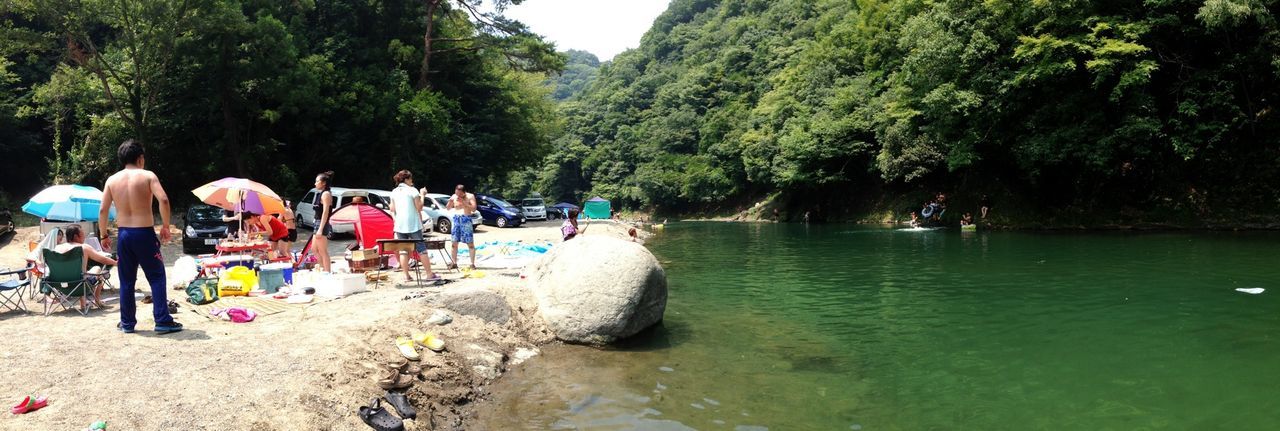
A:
x: 323, y: 204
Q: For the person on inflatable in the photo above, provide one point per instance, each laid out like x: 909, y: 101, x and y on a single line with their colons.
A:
x: 930, y: 210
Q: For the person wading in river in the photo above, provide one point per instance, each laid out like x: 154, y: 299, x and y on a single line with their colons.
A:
x: 131, y: 191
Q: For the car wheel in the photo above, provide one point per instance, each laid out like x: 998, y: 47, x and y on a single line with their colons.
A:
x: 502, y: 222
x: 443, y: 225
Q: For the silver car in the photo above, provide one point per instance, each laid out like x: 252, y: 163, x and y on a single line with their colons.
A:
x: 307, y: 216
x: 434, y: 214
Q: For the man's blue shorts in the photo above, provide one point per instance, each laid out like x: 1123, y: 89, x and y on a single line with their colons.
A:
x: 462, y: 229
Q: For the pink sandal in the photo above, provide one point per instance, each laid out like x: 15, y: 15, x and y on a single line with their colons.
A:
x: 29, y: 405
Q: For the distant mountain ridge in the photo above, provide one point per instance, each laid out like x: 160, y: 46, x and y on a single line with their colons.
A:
x: 1102, y: 106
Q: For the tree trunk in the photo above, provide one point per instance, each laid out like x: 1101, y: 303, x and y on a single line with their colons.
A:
x: 424, y: 79
x: 230, y: 128
x: 230, y: 132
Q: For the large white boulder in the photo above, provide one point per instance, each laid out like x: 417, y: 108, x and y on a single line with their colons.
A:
x: 598, y: 289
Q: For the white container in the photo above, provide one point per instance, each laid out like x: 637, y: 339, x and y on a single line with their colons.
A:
x: 339, y: 285
x: 303, y: 279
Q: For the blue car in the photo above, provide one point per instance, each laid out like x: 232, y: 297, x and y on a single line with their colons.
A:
x: 498, y: 212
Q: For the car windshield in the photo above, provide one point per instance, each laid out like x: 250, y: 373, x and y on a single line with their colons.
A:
x: 442, y: 202
x: 533, y: 202
x: 205, y: 214
x: 501, y: 203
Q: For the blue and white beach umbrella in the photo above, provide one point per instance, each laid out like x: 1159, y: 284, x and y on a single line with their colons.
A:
x: 67, y: 203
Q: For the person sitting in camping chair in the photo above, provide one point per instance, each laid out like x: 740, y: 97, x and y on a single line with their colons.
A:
x: 75, y: 239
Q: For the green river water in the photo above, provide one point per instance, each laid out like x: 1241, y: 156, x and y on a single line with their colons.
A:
x: 842, y: 327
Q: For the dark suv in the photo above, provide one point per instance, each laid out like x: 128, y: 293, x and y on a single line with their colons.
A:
x: 204, y: 228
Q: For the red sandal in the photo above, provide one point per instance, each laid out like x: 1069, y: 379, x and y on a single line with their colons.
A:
x: 21, y: 407
x: 29, y: 405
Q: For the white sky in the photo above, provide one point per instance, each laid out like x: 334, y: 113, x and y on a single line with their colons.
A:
x: 601, y: 27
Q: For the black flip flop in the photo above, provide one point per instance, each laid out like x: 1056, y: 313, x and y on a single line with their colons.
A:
x: 378, y: 418
x: 401, y: 403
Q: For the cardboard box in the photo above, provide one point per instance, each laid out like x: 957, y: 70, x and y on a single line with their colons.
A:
x: 339, y: 285
x: 364, y: 254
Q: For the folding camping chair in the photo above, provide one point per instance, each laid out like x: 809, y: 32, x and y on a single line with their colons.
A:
x: 11, y: 289
x: 66, y: 281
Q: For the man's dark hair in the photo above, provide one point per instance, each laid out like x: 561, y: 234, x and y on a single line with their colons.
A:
x: 71, y: 232
x: 129, y: 152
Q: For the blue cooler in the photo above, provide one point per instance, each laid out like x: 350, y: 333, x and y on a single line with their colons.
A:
x: 271, y: 277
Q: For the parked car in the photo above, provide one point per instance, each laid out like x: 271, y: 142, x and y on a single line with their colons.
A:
x: 498, y: 212
x: 6, y: 222
x: 384, y: 195
x: 433, y: 212
x: 533, y: 208
x: 203, y: 228
x: 306, y: 214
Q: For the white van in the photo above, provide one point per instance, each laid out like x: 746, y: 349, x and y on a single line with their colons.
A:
x: 533, y: 208
x: 306, y: 214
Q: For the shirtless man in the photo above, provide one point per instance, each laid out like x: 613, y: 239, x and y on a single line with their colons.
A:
x: 131, y: 190
x: 461, y: 205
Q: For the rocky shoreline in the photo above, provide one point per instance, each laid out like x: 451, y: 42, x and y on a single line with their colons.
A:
x: 498, y: 322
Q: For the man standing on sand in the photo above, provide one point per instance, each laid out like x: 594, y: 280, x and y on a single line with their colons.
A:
x: 131, y: 190
x: 461, y: 205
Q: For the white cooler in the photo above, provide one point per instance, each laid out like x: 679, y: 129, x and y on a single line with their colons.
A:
x: 338, y: 285
x: 304, y: 279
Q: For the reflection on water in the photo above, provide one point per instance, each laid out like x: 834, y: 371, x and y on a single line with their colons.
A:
x: 829, y: 327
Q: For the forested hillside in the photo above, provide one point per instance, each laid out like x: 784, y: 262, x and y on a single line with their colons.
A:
x: 580, y: 69
x: 275, y: 91
x: 1109, y: 105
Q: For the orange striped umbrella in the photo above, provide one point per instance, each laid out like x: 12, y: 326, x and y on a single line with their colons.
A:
x: 240, y: 195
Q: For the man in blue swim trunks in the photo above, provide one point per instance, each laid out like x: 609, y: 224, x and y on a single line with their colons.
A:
x: 461, y: 205
x: 131, y: 191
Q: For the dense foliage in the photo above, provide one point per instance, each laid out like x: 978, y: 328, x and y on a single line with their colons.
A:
x: 275, y: 91
x: 581, y: 68
x: 1079, y: 103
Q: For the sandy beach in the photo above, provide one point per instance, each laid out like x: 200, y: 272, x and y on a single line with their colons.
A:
x: 306, y: 368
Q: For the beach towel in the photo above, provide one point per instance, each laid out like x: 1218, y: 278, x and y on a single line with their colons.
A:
x: 234, y: 314
x: 49, y: 241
